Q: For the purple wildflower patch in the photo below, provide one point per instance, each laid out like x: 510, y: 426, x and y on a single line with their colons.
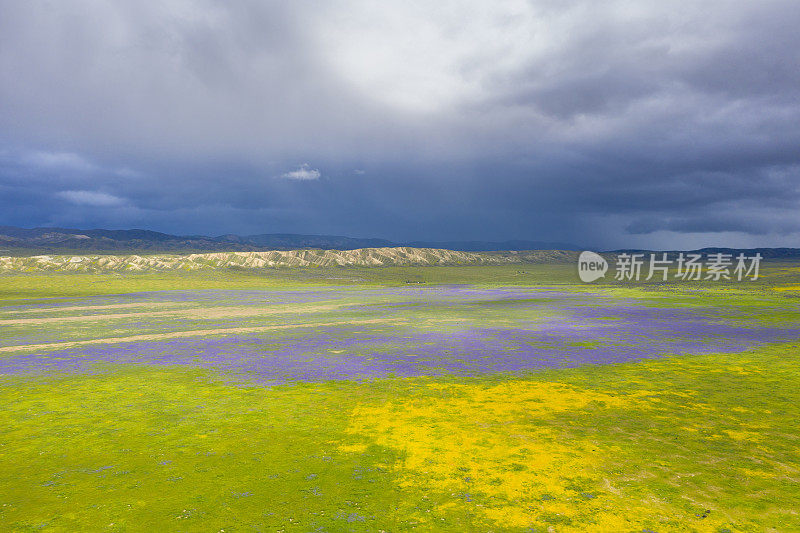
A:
x: 588, y: 329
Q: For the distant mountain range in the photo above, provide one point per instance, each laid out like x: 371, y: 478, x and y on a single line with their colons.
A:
x: 766, y: 253
x: 14, y: 239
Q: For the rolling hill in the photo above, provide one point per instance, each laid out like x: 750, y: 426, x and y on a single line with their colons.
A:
x: 400, y: 256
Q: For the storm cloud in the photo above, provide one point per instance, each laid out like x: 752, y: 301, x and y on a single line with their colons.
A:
x: 611, y: 124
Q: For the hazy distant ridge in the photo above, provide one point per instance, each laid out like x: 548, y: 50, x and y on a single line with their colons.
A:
x: 103, y: 240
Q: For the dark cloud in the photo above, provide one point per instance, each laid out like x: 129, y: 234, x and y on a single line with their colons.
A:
x: 610, y: 124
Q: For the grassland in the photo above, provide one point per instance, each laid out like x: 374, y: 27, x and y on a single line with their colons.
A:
x: 695, y: 429
x: 13, y: 285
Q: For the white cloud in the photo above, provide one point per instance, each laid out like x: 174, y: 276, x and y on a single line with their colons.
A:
x: 423, y: 57
x: 91, y: 198
x: 50, y: 162
x: 57, y: 161
x: 303, y: 173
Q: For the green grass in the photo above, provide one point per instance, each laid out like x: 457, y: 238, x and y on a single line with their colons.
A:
x: 156, y: 450
x: 48, y: 285
x: 163, y: 449
x: 14, y: 287
x: 703, y: 443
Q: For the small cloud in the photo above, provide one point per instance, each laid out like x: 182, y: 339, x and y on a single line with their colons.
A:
x: 57, y: 161
x: 64, y: 162
x: 91, y: 198
x: 360, y: 172
x: 303, y: 173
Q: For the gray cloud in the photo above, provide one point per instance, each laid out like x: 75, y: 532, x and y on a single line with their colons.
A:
x: 607, y: 123
x: 91, y: 198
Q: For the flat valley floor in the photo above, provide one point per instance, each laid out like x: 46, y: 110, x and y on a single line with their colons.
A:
x: 431, y: 398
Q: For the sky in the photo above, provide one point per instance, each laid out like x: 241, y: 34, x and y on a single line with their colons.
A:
x: 654, y: 124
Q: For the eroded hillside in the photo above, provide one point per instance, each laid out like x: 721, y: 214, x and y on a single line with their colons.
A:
x: 401, y: 256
